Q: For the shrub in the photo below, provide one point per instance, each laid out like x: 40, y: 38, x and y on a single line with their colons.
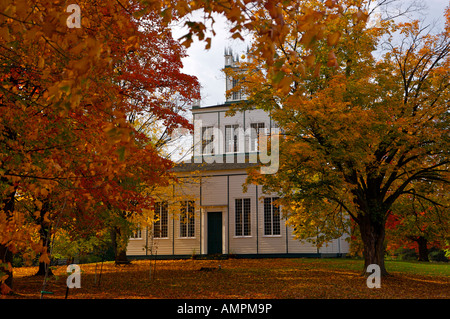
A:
x: 436, y: 254
x: 406, y: 254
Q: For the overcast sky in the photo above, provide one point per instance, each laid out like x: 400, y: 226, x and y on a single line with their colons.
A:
x: 207, y: 65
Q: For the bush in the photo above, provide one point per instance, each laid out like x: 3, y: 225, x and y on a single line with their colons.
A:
x: 436, y: 254
x: 406, y: 254
x: 17, y: 260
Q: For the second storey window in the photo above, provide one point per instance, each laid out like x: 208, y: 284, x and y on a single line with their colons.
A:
x: 271, y: 217
x: 187, y: 219
x: 256, y: 130
x: 207, y: 140
x: 161, y: 225
x: 242, y: 214
x: 231, y: 138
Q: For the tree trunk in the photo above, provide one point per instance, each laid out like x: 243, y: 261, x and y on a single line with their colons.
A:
x: 42, y: 269
x: 372, y: 235
x: 121, y: 257
x: 44, y: 234
x: 6, y: 255
x: 120, y: 254
x: 423, y: 250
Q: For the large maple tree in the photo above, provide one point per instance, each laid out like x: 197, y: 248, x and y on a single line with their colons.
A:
x: 70, y: 98
x: 361, y: 129
x: 61, y: 101
x: 420, y: 223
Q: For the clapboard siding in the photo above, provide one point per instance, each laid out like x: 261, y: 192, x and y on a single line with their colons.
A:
x: 220, y: 120
x: 215, y: 187
x: 136, y: 247
x: 213, y: 191
x: 256, y: 116
x: 218, y: 192
x: 207, y: 119
x: 242, y: 244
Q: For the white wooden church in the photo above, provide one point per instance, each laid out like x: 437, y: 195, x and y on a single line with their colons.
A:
x: 216, y: 216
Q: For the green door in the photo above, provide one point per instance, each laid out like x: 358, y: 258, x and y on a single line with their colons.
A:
x: 214, y: 233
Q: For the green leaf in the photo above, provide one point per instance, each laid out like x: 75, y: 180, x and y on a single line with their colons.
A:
x: 278, y: 77
x: 121, y: 152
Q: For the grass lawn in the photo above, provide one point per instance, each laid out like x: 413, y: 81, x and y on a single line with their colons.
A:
x: 241, y: 278
x: 393, y: 266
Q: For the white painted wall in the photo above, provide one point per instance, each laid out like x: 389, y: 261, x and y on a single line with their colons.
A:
x: 219, y: 195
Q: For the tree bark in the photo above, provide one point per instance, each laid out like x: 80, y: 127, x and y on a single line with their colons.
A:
x: 423, y: 250
x: 372, y: 235
x: 42, y: 269
x: 44, y: 233
x: 121, y: 257
x: 120, y: 254
x: 6, y: 255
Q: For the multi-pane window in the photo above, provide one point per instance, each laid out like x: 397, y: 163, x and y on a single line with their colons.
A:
x: 161, y: 224
x: 136, y: 234
x: 242, y: 215
x: 207, y: 140
x: 231, y: 138
x: 271, y: 217
x: 256, y: 130
x: 236, y: 94
x: 187, y: 219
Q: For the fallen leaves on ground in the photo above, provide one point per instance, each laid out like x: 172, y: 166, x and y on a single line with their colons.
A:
x: 223, y: 279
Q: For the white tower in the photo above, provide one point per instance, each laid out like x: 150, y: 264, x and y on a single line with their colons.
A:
x: 231, y: 62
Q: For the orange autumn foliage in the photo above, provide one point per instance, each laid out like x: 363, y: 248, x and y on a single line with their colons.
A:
x: 70, y: 150
x: 363, y: 123
x: 277, y: 278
